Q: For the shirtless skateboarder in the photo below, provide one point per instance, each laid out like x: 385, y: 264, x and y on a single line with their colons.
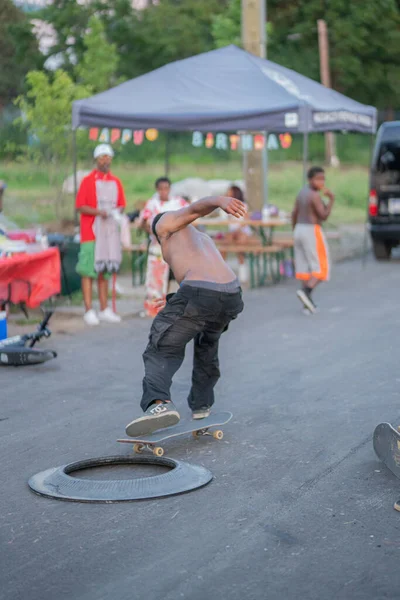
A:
x: 311, y: 254
x: 208, y: 299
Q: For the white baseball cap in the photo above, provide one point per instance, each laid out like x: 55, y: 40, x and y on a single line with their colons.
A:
x: 103, y: 150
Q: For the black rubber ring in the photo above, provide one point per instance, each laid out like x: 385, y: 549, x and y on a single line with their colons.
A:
x: 57, y: 483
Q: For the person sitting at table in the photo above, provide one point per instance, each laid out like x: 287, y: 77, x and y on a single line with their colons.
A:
x: 238, y: 234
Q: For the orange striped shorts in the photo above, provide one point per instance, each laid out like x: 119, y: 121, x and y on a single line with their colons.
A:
x: 311, y: 253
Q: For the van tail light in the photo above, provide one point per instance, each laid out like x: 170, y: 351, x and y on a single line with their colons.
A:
x: 373, y: 204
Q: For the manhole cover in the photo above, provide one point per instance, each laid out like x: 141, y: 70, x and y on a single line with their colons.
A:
x: 58, y: 483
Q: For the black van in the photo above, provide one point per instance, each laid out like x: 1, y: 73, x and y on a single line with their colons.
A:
x: 384, y: 195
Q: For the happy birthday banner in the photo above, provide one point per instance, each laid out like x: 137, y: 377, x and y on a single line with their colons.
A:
x: 219, y: 141
x: 247, y: 141
x: 108, y: 136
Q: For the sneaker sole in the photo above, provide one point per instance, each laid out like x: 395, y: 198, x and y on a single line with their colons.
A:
x: 148, y: 424
x: 305, y: 301
x: 203, y: 416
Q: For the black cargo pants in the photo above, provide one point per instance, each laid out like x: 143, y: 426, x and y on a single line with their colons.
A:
x: 192, y: 313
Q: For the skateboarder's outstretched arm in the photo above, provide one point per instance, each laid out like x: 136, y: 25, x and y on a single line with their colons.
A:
x: 173, y: 221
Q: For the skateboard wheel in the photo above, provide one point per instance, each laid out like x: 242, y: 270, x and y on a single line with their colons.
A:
x: 195, y: 434
x: 397, y: 505
x: 138, y: 448
x: 218, y: 435
x: 158, y: 451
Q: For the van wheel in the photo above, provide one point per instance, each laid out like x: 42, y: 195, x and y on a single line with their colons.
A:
x: 382, y: 250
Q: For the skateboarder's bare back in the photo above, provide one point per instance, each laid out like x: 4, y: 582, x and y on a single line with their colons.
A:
x: 208, y: 299
x: 193, y: 255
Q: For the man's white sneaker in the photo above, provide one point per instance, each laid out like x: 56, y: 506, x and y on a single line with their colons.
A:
x: 90, y: 317
x: 108, y: 316
x: 243, y: 274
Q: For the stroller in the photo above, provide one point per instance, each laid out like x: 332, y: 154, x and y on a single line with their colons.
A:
x: 18, y: 350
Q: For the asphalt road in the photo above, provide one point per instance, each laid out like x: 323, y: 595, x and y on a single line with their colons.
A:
x: 300, y: 507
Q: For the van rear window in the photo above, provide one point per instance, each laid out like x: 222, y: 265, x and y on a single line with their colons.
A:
x: 389, y: 156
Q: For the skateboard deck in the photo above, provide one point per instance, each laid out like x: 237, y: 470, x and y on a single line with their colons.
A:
x: 387, y: 446
x: 196, y: 427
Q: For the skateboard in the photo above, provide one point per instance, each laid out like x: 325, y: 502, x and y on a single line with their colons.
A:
x: 387, y: 446
x: 197, y: 427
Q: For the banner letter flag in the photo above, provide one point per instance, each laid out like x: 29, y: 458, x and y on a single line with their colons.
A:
x: 209, y: 140
x: 197, y: 139
x: 285, y: 140
x: 221, y: 141
x: 151, y: 135
x: 259, y: 142
x: 115, y: 135
x: 93, y: 133
x: 104, y: 136
x: 247, y: 142
x: 234, y: 140
x: 272, y: 142
x: 138, y: 137
x: 126, y: 136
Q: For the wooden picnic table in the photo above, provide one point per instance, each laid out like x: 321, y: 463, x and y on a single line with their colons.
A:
x: 265, y: 227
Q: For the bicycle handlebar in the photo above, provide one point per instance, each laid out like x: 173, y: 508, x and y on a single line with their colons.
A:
x: 48, y: 314
x: 42, y: 330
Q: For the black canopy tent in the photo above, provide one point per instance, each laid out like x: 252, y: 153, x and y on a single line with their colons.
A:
x: 224, y: 90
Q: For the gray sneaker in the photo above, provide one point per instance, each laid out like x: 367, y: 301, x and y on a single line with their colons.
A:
x: 201, y: 413
x: 157, y: 416
x: 306, y: 300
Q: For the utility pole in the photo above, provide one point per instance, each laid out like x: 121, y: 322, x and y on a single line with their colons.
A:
x: 254, y: 17
x: 323, y: 43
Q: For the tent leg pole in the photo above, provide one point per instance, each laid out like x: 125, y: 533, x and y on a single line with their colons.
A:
x: 166, y: 164
x: 265, y: 168
x: 305, y: 156
x: 75, y: 167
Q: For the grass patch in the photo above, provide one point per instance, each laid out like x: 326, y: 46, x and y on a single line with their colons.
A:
x: 32, y: 321
x: 30, y: 199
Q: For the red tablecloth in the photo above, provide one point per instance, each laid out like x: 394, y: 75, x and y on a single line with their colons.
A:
x: 30, y: 278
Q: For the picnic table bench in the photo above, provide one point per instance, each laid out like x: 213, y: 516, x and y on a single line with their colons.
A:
x: 138, y: 254
x: 265, y: 262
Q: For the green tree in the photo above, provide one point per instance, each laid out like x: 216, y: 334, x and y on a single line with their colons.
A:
x: 364, y: 42
x: 69, y: 20
x: 19, y: 51
x: 122, y: 26
x: 365, y: 57
x: 46, y: 111
x: 144, y: 39
x: 98, y: 67
x: 226, y: 27
x: 176, y: 29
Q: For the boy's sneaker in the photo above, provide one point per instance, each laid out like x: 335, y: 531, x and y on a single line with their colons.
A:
x: 90, y: 318
x: 108, y: 316
x: 157, y: 416
x: 201, y: 413
x: 306, y: 300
